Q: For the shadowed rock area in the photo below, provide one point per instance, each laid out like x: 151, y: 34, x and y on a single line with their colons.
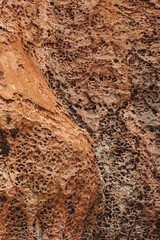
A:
x: 100, y: 58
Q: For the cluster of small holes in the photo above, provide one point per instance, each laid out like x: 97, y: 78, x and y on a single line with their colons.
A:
x: 102, y: 60
x: 130, y: 195
x: 44, y: 171
x: 17, y: 219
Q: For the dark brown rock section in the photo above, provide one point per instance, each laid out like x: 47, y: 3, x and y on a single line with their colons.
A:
x: 100, y: 58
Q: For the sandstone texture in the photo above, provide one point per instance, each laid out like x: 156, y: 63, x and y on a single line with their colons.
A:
x: 100, y: 59
x: 47, y: 171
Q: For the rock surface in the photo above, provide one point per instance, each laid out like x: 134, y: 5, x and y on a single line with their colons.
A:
x: 47, y: 171
x: 100, y: 59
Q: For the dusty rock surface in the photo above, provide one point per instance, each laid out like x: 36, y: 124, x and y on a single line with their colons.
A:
x: 47, y: 171
x: 100, y: 58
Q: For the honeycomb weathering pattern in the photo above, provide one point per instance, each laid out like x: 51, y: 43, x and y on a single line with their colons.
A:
x: 47, y: 171
x: 100, y: 58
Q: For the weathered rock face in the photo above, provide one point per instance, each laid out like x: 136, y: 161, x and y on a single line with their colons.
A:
x: 47, y: 171
x: 100, y: 58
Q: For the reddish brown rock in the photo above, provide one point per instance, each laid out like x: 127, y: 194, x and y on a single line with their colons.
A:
x: 47, y: 172
x: 100, y: 58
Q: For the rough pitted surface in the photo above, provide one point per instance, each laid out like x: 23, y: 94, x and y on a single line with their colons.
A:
x: 100, y: 58
x: 47, y: 171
